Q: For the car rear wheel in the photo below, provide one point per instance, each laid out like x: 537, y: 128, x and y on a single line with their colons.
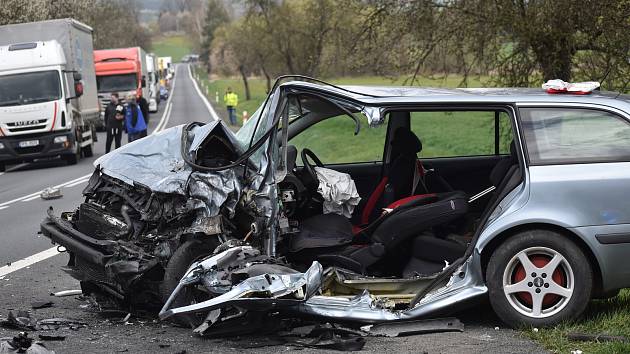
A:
x: 538, y: 278
x: 187, y: 253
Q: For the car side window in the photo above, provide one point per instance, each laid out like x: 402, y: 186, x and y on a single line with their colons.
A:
x: 334, y: 142
x: 462, y: 133
x: 571, y: 135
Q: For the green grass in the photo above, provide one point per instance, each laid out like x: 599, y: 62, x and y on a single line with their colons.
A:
x: 172, y: 46
x: 611, y: 317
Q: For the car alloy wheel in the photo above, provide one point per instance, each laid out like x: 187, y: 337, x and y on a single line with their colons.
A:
x: 538, y: 278
x: 538, y: 282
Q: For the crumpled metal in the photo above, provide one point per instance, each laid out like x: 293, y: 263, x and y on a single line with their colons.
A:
x: 156, y: 162
x: 338, y: 190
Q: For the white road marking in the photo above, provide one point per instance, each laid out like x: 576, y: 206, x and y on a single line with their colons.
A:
x: 28, y: 261
x: 213, y: 114
x: 29, y: 199
x: 3, y: 207
x: 76, y: 183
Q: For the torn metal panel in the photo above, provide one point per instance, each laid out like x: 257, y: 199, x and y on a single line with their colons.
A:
x: 407, y: 328
x: 209, y: 272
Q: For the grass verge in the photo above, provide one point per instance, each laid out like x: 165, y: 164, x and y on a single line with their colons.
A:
x: 607, y: 317
x: 172, y: 46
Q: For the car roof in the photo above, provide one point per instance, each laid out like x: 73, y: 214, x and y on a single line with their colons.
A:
x: 406, y: 95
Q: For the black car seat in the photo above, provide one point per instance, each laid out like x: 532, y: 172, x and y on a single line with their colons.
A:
x: 378, y: 240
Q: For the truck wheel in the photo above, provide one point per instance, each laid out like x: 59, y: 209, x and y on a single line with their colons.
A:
x: 538, y: 278
x: 187, y: 253
x: 87, y: 151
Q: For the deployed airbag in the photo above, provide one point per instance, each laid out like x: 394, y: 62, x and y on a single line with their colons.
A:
x: 338, y: 190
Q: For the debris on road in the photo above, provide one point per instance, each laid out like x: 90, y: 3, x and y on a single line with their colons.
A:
x: 22, y: 344
x: 51, y: 193
x: 67, y: 293
x: 22, y: 321
x: 57, y: 323
x: 41, y: 304
x: 52, y: 337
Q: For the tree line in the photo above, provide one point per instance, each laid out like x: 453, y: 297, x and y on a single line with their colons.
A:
x: 115, y: 22
x: 513, y: 42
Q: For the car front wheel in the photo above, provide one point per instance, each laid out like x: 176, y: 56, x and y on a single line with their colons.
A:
x: 538, y: 278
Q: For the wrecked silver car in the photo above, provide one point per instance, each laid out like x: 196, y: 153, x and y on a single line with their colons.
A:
x: 214, y: 227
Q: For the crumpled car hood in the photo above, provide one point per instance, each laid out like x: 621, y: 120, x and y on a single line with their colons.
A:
x: 156, y: 162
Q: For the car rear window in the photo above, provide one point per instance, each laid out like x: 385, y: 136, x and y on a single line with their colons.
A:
x: 572, y: 135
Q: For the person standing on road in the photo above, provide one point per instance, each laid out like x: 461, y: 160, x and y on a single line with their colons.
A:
x: 144, y: 107
x: 114, y: 116
x: 231, y: 101
x: 135, y: 125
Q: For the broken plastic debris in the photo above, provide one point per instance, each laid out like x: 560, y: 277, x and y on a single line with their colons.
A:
x: 41, y: 304
x: 67, y: 293
x: 51, y: 193
x: 535, y: 330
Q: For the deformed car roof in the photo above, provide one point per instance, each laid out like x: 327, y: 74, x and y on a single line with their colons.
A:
x: 383, y: 95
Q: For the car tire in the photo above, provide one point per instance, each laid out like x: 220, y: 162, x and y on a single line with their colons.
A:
x: 553, y: 273
x: 187, y: 253
x: 3, y: 167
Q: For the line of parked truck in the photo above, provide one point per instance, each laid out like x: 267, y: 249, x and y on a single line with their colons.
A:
x: 54, y: 88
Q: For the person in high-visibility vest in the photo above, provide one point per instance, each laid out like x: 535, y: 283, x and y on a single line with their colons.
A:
x: 231, y: 101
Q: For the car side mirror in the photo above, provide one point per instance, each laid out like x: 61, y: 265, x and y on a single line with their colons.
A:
x: 144, y: 82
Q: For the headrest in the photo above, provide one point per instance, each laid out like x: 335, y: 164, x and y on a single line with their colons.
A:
x: 291, y: 157
x: 405, y: 141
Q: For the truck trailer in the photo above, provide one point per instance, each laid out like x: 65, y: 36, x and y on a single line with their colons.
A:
x: 153, y: 82
x: 121, y: 70
x: 48, y: 101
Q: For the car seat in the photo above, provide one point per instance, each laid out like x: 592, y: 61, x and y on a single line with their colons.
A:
x: 378, y: 240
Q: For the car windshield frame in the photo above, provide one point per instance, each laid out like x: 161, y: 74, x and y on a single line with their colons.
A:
x: 19, y: 89
x: 118, y: 87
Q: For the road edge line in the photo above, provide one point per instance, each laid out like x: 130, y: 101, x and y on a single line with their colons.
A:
x: 203, y: 97
x: 28, y: 261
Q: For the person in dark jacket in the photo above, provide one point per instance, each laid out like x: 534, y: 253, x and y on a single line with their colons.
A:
x: 135, y: 124
x: 114, y: 117
x: 144, y: 107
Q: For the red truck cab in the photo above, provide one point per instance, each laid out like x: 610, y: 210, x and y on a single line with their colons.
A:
x: 121, y: 70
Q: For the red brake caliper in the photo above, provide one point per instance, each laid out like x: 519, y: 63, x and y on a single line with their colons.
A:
x: 539, y: 261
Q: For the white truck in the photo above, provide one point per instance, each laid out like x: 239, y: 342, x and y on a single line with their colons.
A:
x: 153, y: 82
x: 48, y: 101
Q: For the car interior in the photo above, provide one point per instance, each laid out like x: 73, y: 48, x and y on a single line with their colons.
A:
x: 416, y: 215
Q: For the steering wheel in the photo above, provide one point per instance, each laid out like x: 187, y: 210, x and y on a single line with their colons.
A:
x: 310, y: 169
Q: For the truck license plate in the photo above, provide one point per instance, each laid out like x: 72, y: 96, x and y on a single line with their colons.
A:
x: 29, y: 143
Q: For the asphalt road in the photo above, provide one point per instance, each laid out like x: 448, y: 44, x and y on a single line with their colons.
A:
x: 21, y: 211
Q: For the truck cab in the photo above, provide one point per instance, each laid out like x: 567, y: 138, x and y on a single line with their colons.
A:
x: 36, y: 107
x: 121, y: 70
